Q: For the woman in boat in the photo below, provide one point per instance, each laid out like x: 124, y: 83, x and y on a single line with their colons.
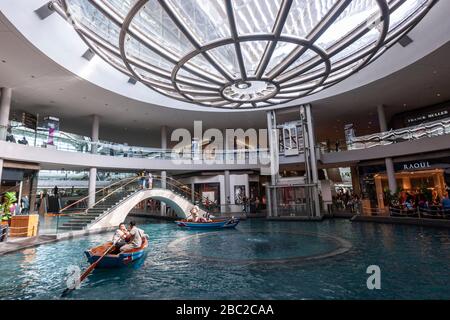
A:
x: 120, y: 236
x: 193, y: 214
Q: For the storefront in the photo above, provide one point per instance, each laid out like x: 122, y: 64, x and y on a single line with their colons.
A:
x: 423, y: 115
x: 20, y: 179
x: 412, y: 177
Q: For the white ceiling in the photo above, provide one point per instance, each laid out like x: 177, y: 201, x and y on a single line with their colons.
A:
x: 42, y: 86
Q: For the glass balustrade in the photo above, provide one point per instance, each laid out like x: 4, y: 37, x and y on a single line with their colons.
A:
x: 64, y: 141
x: 424, y: 130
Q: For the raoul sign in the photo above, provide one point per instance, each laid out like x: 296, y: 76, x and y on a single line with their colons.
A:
x: 416, y: 165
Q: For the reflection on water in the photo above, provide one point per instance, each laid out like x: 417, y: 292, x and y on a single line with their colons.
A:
x: 415, y: 263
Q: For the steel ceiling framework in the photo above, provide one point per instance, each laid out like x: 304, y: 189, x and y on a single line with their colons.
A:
x: 288, y: 79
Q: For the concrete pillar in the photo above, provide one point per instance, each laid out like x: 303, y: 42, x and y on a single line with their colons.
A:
x: 382, y: 118
x: 273, y: 145
x: 226, y: 186
x: 163, y: 173
x: 389, y: 163
x: 1, y: 170
x: 93, y: 171
x: 313, y: 160
x: 391, y: 175
x: 92, y: 185
x: 5, y: 107
x: 274, y: 163
x: 95, y: 132
x: 163, y: 186
x: 355, y: 180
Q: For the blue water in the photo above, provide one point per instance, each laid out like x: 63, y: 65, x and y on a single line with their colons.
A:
x: 414, y: 262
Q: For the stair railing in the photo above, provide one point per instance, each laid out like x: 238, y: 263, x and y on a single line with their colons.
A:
x: 115, y: 191
x: 99, y: 191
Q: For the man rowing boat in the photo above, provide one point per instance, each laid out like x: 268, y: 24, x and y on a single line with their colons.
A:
x: 135, y: 237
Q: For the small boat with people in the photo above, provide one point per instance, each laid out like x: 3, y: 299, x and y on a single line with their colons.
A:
x: 196, y: 221
x: 115, y: 258
x: 212, y: 224
x: 126, y: 247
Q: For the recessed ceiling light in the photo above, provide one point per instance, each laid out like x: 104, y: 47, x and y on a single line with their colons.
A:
x: 405, y: 105
x: 438, y: 94
x: 44, y: 11
x: 88, y: 54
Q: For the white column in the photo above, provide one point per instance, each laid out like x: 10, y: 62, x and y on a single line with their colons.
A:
x: 226, y: 186
x: 313, y: 160
x: 274, y: 163
x: 93, y: 171
x: 391, y: 175
x: 382, y: 118
x: 388, y: 161
x: 1, y: 170
x: 163, y: 173
x: 5, y: 107
x: 273, y: 145
x: 95, y: 132
x: 92, y: 185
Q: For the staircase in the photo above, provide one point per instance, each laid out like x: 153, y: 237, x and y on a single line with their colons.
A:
x: 80, y: 221
x: 121, y: 192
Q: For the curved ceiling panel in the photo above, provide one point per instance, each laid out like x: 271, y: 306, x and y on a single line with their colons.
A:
x: 241, y: 53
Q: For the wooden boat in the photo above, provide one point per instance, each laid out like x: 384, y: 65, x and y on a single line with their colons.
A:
x: 115, y: 258
x: 214, y: 224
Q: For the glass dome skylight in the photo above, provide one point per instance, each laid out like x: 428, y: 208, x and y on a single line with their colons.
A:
x: 241, y: 53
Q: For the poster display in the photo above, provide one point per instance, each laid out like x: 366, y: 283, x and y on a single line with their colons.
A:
x: 239, y: 194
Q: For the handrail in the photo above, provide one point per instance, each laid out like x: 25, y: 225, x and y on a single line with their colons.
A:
x: 65, y: 141
x: 414, y: 132
x: 86, y: 197
x: 157, y: 177
x: 200, y: 196
x: 110, y: 194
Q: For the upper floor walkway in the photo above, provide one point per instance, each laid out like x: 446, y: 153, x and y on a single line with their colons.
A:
x: 70, y: 151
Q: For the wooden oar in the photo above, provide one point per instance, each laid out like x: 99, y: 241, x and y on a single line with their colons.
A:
x: 88, y: 271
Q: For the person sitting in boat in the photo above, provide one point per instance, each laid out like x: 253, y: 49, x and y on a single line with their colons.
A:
x: 136, y: 236
x: 120, y: 236
x: 193, y: 214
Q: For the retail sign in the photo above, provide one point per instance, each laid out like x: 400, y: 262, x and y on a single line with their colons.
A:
x: 29, y: 120
x: 52, y: 124
x: 428, y: 116
x: 416, y: 165
x: 349, y: 133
